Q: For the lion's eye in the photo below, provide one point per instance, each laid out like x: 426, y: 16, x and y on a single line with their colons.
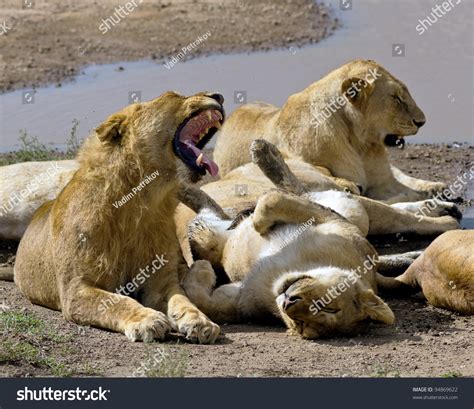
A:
x: 398, y: 99
x: 294, y: 298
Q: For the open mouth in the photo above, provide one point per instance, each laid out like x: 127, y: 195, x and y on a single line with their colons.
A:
x: 394, y: 140
x: 193, y: 134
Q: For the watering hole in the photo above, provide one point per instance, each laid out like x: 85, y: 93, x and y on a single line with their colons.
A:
x: 436, y: 66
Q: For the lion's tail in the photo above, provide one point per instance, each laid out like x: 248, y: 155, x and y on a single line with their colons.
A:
x: 6, y: 273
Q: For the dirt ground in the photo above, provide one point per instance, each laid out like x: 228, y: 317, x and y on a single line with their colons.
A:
x: 50, y: 41
x: 424, y: 341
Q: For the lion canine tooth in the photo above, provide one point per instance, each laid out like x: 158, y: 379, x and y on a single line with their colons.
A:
x: 209, y: 115
x: 199, y: 159
x: 218, y: 125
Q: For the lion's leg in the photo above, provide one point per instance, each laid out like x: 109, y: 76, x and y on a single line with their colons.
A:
x: 395, y: 264
x: 221, y: 304
x: 197, y: 200
x: 277, y: 206
x: 207, y: 235
x: 430, y: 208
x: 385, y: 219
x: 87, y: 305
x: 426, y: 187
x: 270, y: 161
x: 163, y: 291
x: 401, y: 285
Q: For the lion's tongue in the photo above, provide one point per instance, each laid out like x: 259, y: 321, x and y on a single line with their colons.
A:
x: 209, y: 164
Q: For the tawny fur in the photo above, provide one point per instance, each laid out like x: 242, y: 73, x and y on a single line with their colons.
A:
x: 445, y: 272
x: 256, y: 256
x: 80, y: 248
x: 349, y: 143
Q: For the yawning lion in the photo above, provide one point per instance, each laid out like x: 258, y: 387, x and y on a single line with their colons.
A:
x: 105, y: 251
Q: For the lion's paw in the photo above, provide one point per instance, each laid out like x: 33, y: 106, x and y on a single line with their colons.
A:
x: 431, y: 190
x: 446, y: 209
x: 448, y: 223
x: 154, y: 325
x: 202, y: 274
x: 198, y: 328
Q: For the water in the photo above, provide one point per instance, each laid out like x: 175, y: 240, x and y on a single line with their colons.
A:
x: 437, y: 67
x: 468, y: 215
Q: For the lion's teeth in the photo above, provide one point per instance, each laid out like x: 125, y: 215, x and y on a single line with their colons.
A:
x: 209, y: 115
x: 199, y: 159
x: 218, y: 125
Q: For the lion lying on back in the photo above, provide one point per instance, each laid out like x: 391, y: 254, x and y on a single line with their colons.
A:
x: 340, y: 122
x: 286, y: 257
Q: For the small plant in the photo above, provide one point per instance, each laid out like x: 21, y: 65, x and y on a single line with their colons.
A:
x: 14, y: 353
x: 20, y: 323
x: 31, y: 149
x: 452, y: 374
x: 34, y: 333
x: 73, y: 144
x: 162, y: 363
x: 382, y: 371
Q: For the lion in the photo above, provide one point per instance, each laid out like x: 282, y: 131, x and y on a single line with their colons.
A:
x: 444, y: 273
x: 105, y: 251
x: 341, y: 122
x: 25, y: 187
x: 288, y: 254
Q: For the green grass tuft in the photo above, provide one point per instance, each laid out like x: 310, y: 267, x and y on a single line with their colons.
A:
x: 31, y: 149
x: 162, y: 363
x: 35, y: 338
x: 452, y: 374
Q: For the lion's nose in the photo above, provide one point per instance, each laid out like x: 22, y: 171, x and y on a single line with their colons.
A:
x: 218, y: 97
x: 289, y: 301
x: 419, y: 124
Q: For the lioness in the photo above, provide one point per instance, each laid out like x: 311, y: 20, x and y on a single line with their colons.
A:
x: 340, y: 122
x: 444, y: 272
x: 105, y: 251
x: 286, y: 256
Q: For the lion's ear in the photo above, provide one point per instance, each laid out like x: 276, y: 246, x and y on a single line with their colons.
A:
x: 375, y: 308
x: 111, y: 129
x: 357, y: 90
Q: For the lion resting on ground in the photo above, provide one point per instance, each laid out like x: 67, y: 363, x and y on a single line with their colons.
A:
x: 445, y: 272
x: 285, y: 257
x: 24, y: 187
x: 105, y: 251
x: 341, y: 123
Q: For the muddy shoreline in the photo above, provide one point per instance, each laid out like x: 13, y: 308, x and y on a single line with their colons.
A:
x: 50, y: 42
